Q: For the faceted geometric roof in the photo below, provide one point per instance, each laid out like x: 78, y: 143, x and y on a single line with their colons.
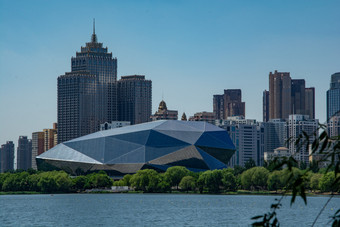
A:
x: 158, y: 144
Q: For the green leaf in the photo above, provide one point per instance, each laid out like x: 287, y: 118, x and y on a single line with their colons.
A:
x: 257, y: 217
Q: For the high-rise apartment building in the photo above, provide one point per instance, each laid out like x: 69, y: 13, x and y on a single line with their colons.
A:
x: 274, y: 134
x: 279, y: 95
x: 233, y: 103
x: 310, y: 102
x: 333, y: 126
x: 134, y: 97
x: 298, y: 96
x: 87, y: 94
x: 218, y: 106
x: 265, y: 107
x: 49, y: 137
x: 7, y: 157
x: 38, y: 147
x: 229, y: 104
x: 24, y: 153
x: 296, y: 125
x: 333, y: 96
x: 287, y: 96
x: 247, y: 136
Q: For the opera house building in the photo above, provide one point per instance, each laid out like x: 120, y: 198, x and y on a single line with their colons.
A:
x: 158, y: 145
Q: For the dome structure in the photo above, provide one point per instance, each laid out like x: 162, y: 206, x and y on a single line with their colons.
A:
x: 162, y: 106
x: 159, y: 145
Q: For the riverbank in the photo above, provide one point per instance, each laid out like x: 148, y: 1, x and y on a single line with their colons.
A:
x: 108, y: 191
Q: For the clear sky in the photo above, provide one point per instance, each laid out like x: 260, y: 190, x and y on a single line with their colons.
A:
x: 190, y: 49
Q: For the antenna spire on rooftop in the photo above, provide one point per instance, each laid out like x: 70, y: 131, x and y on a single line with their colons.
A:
x: 94, y: 37
x: 94, y: 26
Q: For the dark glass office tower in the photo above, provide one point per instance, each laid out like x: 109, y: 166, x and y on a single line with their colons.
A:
x: 134, y: 99
x: 87, y: 95
x: 24, y: 153
x: 7, y: 157
x: 333, y: 96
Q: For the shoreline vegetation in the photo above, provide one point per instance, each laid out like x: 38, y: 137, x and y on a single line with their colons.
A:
x: 109, y: 191
x: 249, y: 180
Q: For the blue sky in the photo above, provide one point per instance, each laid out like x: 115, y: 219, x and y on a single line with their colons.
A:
x: 190, y: 50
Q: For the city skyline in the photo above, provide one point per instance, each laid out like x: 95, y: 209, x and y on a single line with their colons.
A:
x: 192, y: 45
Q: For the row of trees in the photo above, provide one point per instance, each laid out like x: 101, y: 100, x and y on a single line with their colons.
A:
x: 53, y: 181
x: 216, y: 181
x: 175, y: 178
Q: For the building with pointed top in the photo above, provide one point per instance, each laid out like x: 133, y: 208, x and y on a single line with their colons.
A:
x: 333, y: 96
x: 164, y: 114
x: 184, y: 117
x: 87, y: 94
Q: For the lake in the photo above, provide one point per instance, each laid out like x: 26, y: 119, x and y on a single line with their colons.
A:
x: 155, y: 210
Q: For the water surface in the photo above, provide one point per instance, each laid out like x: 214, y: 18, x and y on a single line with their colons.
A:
x: 155, y: 210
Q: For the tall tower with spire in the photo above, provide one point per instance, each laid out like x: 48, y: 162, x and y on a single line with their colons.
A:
x: 87, y: 95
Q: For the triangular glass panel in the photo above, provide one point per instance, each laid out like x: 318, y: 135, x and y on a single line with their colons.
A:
x: 62, y: 152
x: 134, y: 137
x: 189, y: 137
x: 134, y: 156
x: 93, y: 148
x: 222, y: 155
x: 212, y: 162
x: 188, y: 157
x: 157, y: 139
x: 115, y: 148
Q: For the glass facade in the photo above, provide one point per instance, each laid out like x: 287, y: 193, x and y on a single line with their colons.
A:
x: 333, y: 96
x: 157, y: 145
x: 87, y: 95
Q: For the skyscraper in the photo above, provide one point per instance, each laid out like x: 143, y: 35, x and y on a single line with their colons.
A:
x: 37, y: 146
x: 49, y: 136
x: 233, y: 103
x: 134, y: 97
x: 265, y: 107
x: 248, y: 138
x: 218, y: 106
x: 279, y: 95
x: 298, y: 96
x: 296, y: 125
x: 333, y: 96
x: 87, y: 94
x: 229, y: 104
x: 310, y: 102
x: 7, y: 156
x: 24, y: 153
x: 288, y: 96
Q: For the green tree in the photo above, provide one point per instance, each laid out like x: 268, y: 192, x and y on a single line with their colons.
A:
x: 47, y: 182
x: 211, y: 180
x: 3, y: 177
x: 175, y: 174
x: 63, y: 182
x: 100, y: 180
x: 146, y: 180
x: 33, y: 181
x: 249, y: 164
x: 314, y: 181
x: 80, y: 182
x: 238, y: 170
x: 326, y: 183
x: 254, y: 177
x: 274, y: 181
x: 229, y: 181
x: 187, y: 183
